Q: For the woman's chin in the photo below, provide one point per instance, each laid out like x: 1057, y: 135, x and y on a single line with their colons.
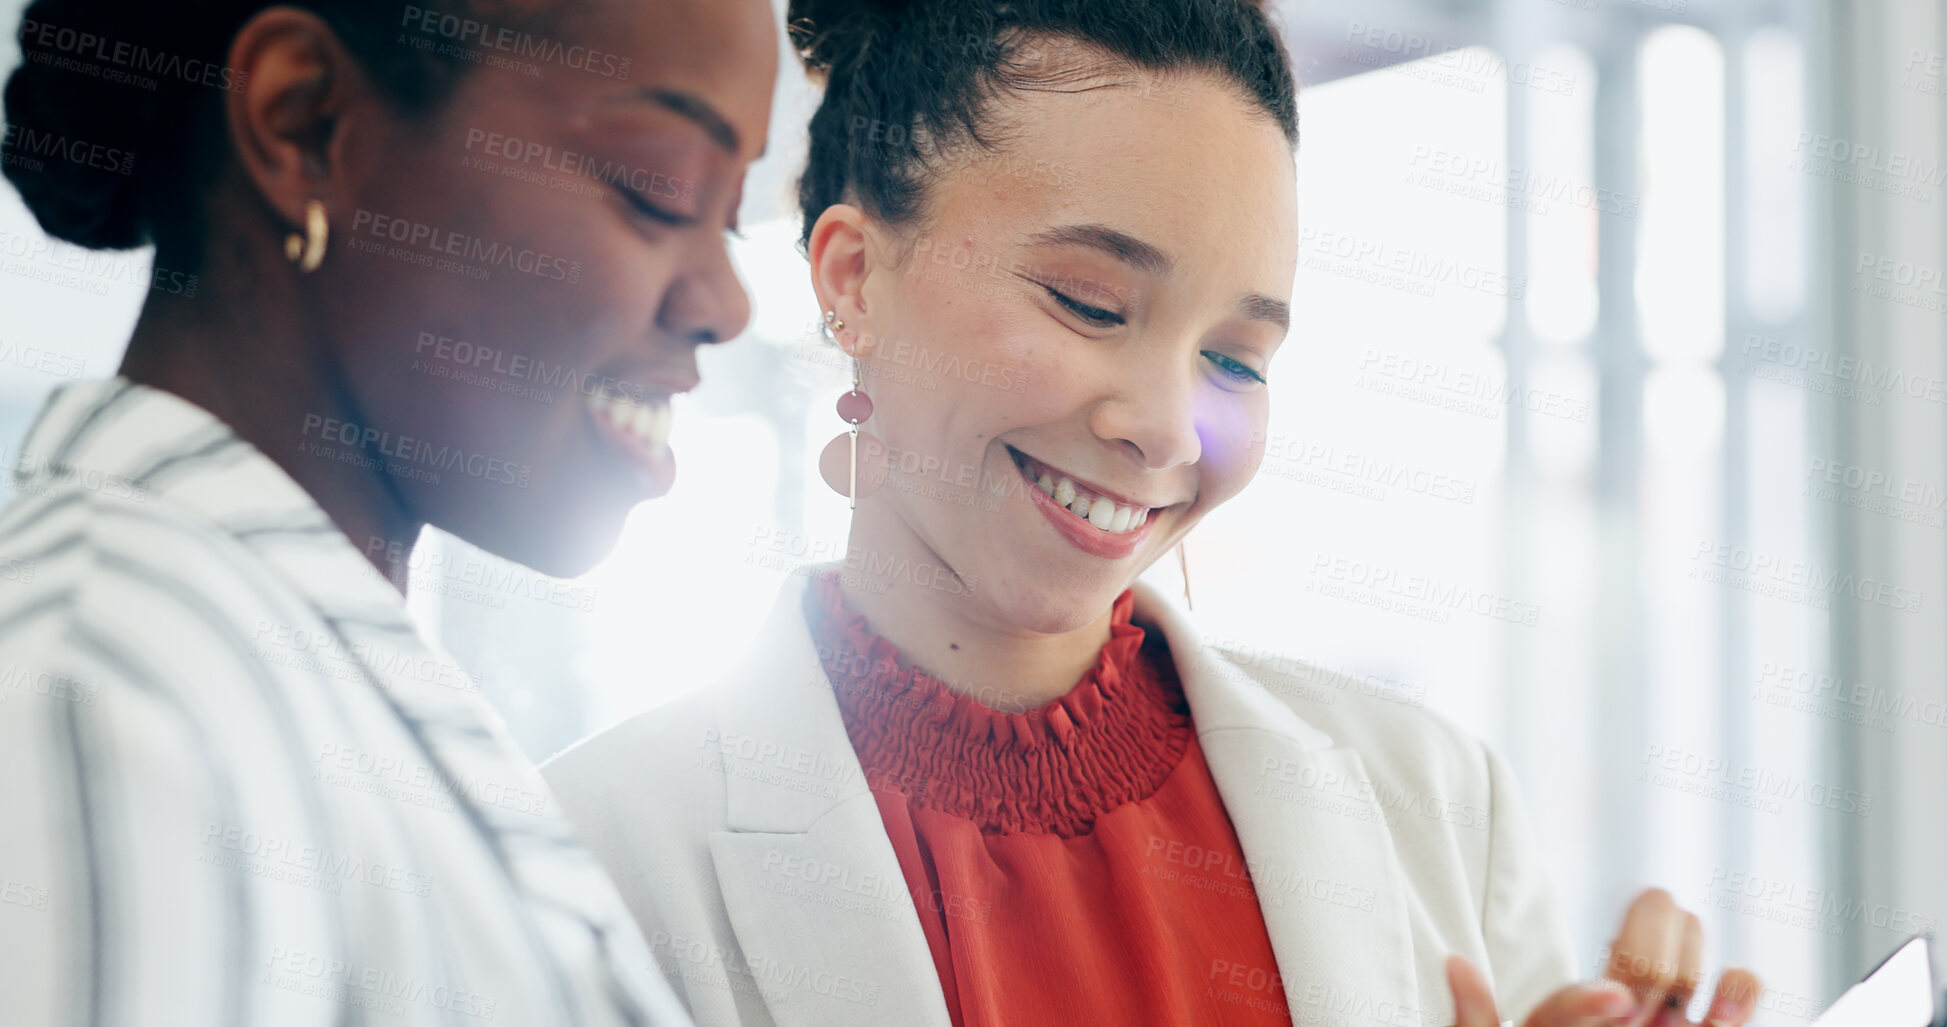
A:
x: 569, y: 540
x: 1049, y: 609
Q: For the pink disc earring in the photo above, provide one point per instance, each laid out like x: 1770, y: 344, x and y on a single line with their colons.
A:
x: 839, y: 463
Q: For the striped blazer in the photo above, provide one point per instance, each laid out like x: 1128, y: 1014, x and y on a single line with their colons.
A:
x: 238, y: 787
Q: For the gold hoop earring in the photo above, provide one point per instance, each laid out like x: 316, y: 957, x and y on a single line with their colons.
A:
x: 1183, y: 563
x: 307, y: 251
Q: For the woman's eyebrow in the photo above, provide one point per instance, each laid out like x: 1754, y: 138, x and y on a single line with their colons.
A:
x: 698, y: 110
x: 1120, y: 245
x: 1259, y: 307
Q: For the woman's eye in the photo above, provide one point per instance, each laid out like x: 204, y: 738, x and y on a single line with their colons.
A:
x: 1233, y: 368
x: 1093, y: 315
x: 655, y: 213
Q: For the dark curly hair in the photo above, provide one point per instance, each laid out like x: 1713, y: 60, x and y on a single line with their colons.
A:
x: 143, y: 81
x: 907, y: 82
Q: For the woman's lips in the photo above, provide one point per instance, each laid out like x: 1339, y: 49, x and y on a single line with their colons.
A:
x: 1094, y: 523
x: 637, y: 427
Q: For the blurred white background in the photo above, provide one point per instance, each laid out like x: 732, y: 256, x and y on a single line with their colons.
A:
x: 1613, y: 318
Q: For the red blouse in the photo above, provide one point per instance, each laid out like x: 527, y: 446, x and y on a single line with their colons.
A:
x: 1071, y: 864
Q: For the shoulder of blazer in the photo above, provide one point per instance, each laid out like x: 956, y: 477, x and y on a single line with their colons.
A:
x: 651, y: 780
x: 1392, y: 730
x: 1245, y: 686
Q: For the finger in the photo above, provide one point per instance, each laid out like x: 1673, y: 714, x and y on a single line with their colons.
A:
x: 1736, y: 998
x: 1473, y: 1000
x: 1578, y: 1004
x: 1645, y: 952
x: 1690, y: 962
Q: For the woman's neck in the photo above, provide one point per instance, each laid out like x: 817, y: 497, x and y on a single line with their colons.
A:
x: 257, y: 374
x: 948, y: 630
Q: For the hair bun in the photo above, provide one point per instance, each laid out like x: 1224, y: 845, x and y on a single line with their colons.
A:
x: 79, y: 127
x: 830, y: 34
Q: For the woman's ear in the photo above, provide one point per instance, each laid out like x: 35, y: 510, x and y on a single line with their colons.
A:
x: 842, y: 252
x: 286, y: 118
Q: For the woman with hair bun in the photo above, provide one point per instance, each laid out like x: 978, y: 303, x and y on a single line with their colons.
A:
x: 452, y: 258
x: 979, y: 775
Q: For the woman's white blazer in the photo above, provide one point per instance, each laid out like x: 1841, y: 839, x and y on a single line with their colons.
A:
x: 1380, y: 840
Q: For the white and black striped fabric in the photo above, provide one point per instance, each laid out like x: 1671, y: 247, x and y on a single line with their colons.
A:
x: 237, y: 786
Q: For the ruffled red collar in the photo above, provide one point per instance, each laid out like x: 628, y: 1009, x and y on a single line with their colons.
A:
x: 1111, y: 740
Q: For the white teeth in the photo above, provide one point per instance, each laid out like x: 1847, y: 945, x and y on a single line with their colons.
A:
x: 646, y: 421
x: 1105, y: 514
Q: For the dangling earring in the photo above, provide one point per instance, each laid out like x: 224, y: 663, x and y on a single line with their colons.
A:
x: 307, y: 251
x: 1183, y: 562
x: 839, y: 463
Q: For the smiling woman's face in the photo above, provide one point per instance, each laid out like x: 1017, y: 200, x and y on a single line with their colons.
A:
x: 1092, y: 310
x: 532, y: 270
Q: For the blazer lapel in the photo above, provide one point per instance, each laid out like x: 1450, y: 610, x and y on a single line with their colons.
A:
x: 812, y: 885
x: 1317, y: 845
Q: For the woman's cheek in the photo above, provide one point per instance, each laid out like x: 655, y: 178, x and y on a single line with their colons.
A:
x: 1231, y: 429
